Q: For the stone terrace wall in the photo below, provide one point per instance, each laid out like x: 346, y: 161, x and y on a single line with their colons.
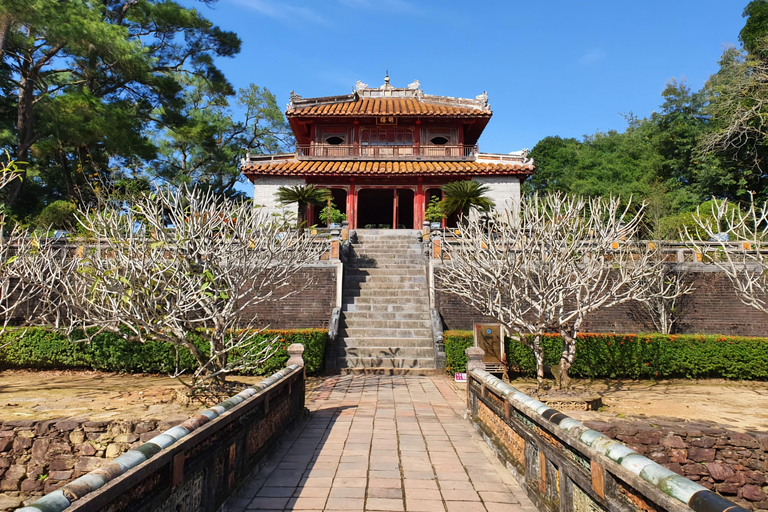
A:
x: 713, y: 308
x: 732, y: 463
x: 308, y: 307
x: 37, y: 457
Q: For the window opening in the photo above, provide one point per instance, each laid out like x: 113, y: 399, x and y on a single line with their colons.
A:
x: 439, y: 140
x: 334, y: 140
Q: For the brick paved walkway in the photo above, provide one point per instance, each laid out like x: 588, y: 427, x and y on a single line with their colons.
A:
x: 384, y: 443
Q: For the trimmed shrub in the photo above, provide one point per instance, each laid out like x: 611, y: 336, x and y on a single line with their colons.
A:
x: 456, y: 342
x: 43, y: 349
x: 638, y: 356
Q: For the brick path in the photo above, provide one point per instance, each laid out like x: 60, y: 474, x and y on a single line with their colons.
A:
x: 384, y: 443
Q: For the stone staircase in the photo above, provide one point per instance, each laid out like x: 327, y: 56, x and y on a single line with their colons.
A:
x: 385, y: 326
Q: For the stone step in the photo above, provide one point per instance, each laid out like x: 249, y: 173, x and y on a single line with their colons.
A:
x: 386, y: 342
x: 361, y: 278
x: 386, y: 308
x: 391, y: 293
x: 411, y: 298
x: 384, y: 245
x: 384, y: 333
x: 385, y: 362
x: 385, y: 315
x: 406, y: 372
x: 392, y: 266
x: 388, y: 352
x: 360, y: 323
x: 360, y: 252
x: 385, y: 272
x: 383, y: 285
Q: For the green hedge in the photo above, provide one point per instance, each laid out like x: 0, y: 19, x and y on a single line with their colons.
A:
x: 635, y: 356
x: 43, y: 349
x: 456, y: 342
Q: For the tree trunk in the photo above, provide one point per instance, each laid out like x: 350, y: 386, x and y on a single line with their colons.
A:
x: 6, y: 20
x: 538, y: 353
x: 24, y: 135
x: 566, y: 360
x: 301, y: 217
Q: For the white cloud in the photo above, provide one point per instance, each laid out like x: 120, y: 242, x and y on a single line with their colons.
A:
x: 279, y: 9
x: 592, y: 57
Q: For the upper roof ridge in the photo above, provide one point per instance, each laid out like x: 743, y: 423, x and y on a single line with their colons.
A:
x: 387, y: 91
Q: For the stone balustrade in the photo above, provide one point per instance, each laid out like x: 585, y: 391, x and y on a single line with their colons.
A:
x: 564, y: 465
x: 196, y: 465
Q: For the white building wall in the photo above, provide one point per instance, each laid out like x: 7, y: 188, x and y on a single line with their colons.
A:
x: 504, y: 191
x: 264, y: 190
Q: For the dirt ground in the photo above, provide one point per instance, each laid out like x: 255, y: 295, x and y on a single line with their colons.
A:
x: 99, y: 396
x: 741, y: 406
x: 41, y: 395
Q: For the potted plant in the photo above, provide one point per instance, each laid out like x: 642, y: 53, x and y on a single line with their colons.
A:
x: 302, y: 195
x: 332, y: 216
x: 461, y: 196
x: 434, y: 213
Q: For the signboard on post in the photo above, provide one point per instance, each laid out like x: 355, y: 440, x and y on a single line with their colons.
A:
x: 490, y: 338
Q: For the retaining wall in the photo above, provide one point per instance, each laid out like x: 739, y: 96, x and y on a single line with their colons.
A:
x: 312, y: 295
x: 735, y: 464
x: 192, y: 467
x: 564, y: 465
x: 713, y: 308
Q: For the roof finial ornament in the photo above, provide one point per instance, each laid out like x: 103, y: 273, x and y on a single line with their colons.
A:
x: 387, y: 86
x: 483, y: 98
x: 360, y: 85
x: 293, y: 99
x: 414, y: 85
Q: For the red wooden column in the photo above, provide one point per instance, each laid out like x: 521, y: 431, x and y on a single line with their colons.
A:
x: 352, y: 205
x: 418, y: 205
x: 394, y: 208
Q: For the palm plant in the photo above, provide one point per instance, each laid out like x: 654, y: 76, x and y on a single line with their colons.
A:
x: 303, y: 196
x: 460, y: 196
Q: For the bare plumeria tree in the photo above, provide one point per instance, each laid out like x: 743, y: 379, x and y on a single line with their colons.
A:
x: 29, y: 264
x: 181, y: 265
x: 742, y: 255
x: 564, y: 258
x: 665, y: 286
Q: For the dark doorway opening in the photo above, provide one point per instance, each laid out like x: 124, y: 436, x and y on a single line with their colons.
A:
x: 375, y: 208
x: 405, y: 208
x: 339, y: 197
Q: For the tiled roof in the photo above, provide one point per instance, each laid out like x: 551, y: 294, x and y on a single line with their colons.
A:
x: 388, y: 107
x: 364, y: 168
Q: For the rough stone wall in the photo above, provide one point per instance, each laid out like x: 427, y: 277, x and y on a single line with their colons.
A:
x: 713, y: 308
x: 37, y: 457
x: 264, y: 190
x: 731, y: 463
x: 308, y: 306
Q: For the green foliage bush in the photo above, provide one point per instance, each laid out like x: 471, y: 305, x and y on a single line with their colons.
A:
x: 43, y: 349
x: 635, y: 356
x: 456, y: 342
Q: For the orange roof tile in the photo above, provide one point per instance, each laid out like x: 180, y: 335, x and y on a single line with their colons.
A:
x: 378, y: 168
x: 389, y: 107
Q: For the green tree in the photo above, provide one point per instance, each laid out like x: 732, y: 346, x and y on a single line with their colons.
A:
x: 206, y: 148
x: 461, y: 196
x: 91, y: 80
x: 303, y: 196
x: 556, y: 162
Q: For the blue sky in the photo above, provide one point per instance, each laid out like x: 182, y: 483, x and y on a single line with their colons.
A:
x: 565, y: 68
